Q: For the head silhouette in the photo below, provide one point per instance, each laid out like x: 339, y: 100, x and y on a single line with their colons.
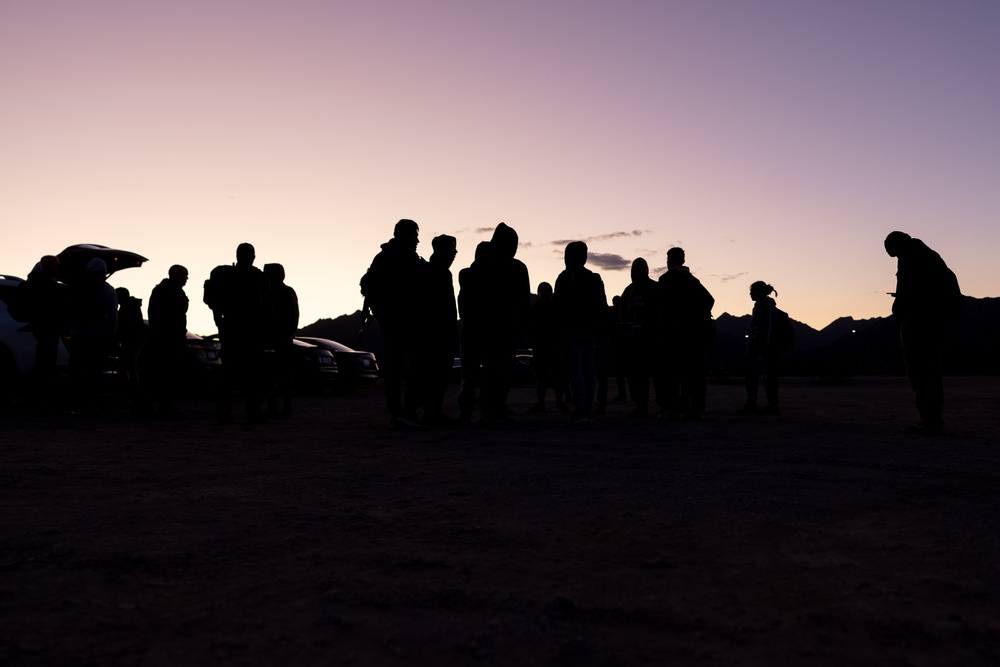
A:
x: 445, y: 249
x: 504, y: 242
x: 675, y: 257
x: 406, y: 231
x: 245, y: 254
x: 640, y: 269
x: 544, y: 291
x: 760, y: 289
x: 275, y: 273
x: 178, y: 274
x: 49, y: 265
x: 575, y: 254
x: 896, y: 243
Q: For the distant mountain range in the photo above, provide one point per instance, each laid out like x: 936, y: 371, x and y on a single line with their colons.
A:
x: 844, y: 348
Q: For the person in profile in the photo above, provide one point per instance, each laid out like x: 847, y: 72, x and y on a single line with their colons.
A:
x: 687, y: 330
x: 92, y: 326
x: 639, y: 317
x: 129, y: 338
x: 763, y: 351
x: 280, y: 341
x: 239, y: 297
x: 472, y: 309
x: 927, y: 297
x: 505, y: 296
x: 581, y: 306
x: 163, y: 354
x: 543, y: 329
x: 392, y: 289
x: 440, y: 328
x: 46, y: 304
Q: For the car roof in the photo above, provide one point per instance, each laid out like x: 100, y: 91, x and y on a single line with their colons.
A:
x: 326, y: 342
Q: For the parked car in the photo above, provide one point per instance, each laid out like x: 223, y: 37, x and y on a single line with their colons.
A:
x: 314, y: 369
x: 354, y: 366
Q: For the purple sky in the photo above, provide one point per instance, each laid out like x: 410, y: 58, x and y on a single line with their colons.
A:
x: 773, y: 140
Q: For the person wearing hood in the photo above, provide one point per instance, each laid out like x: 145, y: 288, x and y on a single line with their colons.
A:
x: 686, y: 330
x: 927, y: 297
x: 639, y: 316
x: 392, y: 288
x: 762, y: 351
x: 503, y: 299
x: 164, y: 351
x: 92, y: 326
x: 581, y: 305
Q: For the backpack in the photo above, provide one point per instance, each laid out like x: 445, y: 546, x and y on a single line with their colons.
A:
x: 783, y: 335
x: 218, y: 288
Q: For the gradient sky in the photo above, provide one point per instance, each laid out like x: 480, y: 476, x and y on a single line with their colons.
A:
x: 774, y: 140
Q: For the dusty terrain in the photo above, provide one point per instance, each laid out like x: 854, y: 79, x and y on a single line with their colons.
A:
x: 826, y: 538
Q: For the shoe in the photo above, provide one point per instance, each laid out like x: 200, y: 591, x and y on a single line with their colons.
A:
x: 639, y: 413
x: 768, y: 410
x: 925, y: 429
x: 748, y: 409
x: 695, y: 416
x: 582, y: 420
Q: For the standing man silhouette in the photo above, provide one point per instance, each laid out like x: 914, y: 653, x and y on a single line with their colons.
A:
x: 927, y: 297
x: 239, y: 297
x: 392, y: 290
x: 164, y: 351
x: 687, y: 330
x: 581, y: 306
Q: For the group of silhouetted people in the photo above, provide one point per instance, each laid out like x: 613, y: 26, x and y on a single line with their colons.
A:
x: 656, y: 335
x: 256, y: 312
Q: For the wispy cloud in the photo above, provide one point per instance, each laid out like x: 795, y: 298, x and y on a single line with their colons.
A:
x: 608, y: 261
x: 604, y: 237
x: 727, y: 277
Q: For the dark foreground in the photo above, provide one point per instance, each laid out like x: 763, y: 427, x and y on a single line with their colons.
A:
x: 828, y: 538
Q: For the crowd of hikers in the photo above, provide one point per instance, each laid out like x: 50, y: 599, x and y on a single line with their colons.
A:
x: 656, y: 334
x: 652, y: 339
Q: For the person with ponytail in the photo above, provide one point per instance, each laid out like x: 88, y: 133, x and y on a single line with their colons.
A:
x: 762, y: 351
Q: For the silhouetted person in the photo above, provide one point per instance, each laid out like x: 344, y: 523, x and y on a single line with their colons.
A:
x: 163, y: 354
x: 927, y: 297
x: 686, y: 329
x: 439, y: 325
x: 46, y: 299
x: 763, y: 351
x: 619, y: 356
x: 130, y: 335
x: 281, y: 334
x: 239, y: 297
x: 581, y: 304
x: 543, y: 328
x: 472, y: 309
x: 92, y: 326
x: 640, y: 318
x: 392, y: 290
x: 505, y: 297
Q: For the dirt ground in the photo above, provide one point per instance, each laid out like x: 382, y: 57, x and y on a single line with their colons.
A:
x: 825, y: 538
